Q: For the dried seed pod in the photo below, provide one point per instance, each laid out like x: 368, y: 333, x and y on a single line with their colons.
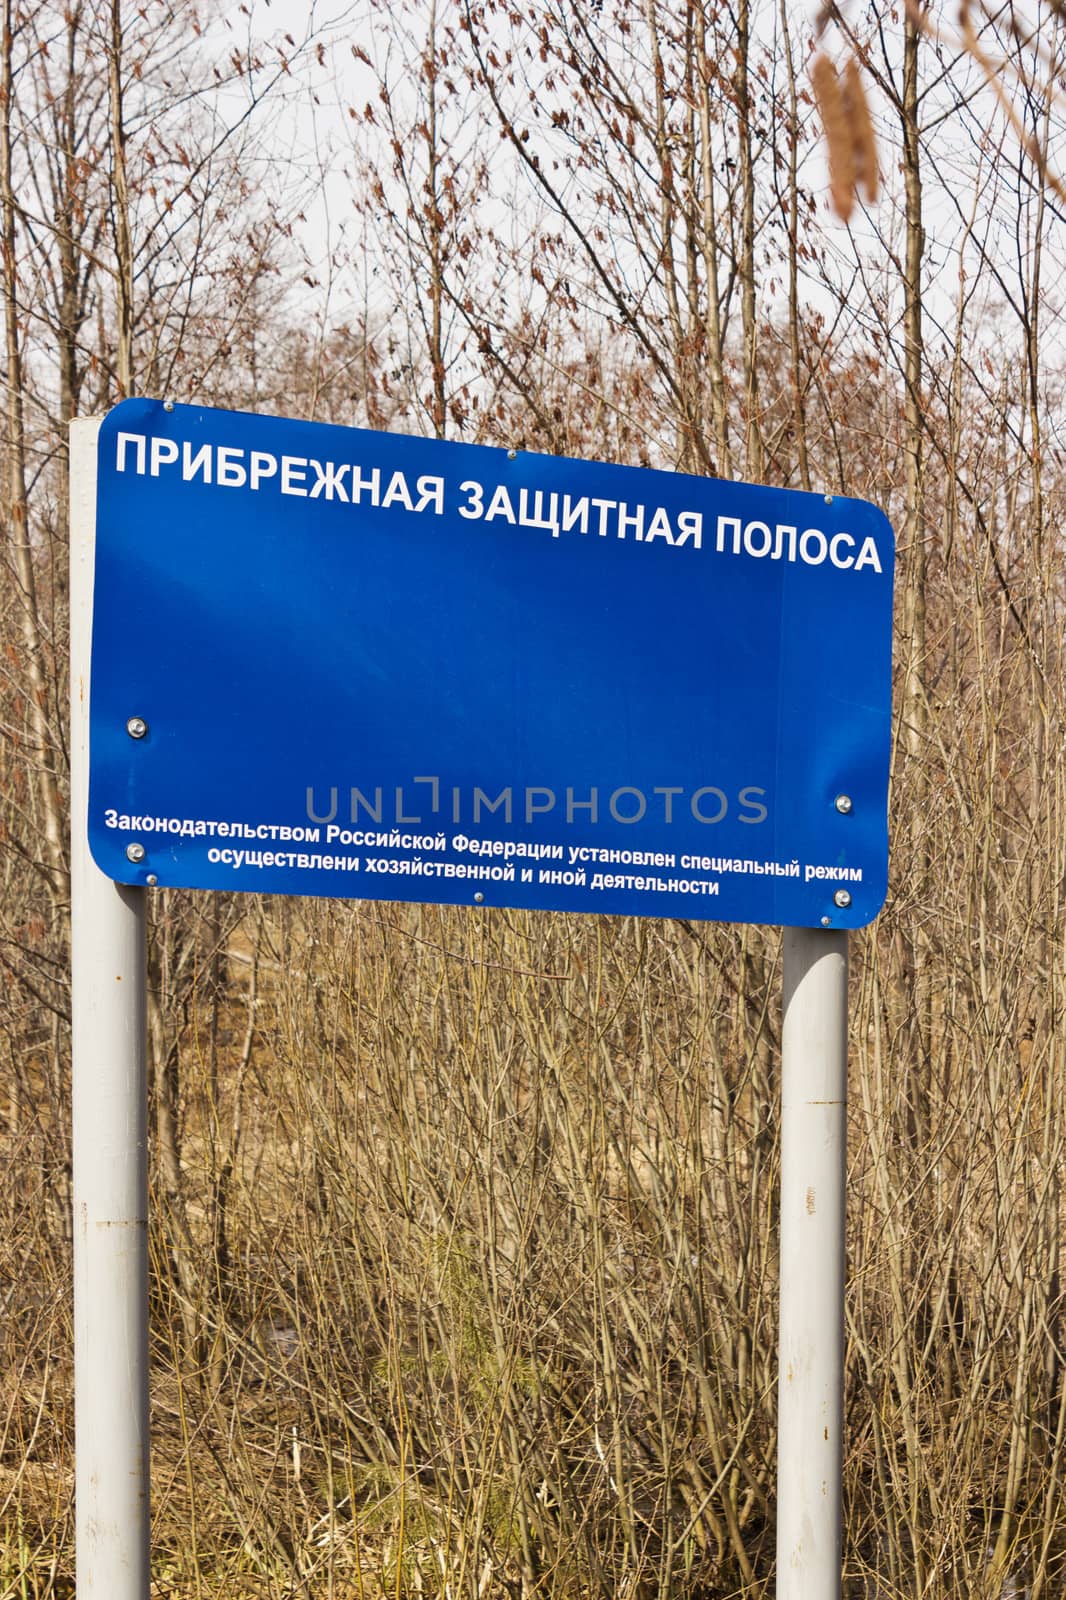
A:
x: 839, y: 144
x: 861, y: 128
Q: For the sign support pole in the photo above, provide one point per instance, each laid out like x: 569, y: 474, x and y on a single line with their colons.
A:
x: 109, y: 1097
x: 811, y: 1344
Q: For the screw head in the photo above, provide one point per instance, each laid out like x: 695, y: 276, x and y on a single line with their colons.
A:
x: 135, y: 852
x: 151, y: 880
x: 843, y: 804
x: 511, y: 454
x: 829, y: 499
x: 136, y: 727
x: 842, y: 899
x: 168, y: 405
x: 479, y: 897
x: 827, y: 922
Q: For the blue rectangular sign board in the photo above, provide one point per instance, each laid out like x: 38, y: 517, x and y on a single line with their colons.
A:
x: 335, y: 662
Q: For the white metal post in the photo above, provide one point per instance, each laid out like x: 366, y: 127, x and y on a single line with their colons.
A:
x: 811, y: 1345
x: 109, y: 1095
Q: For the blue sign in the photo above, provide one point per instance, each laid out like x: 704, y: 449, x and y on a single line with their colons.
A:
x: 336, y: 662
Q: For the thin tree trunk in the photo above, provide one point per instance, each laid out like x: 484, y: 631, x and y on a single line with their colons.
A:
x: 42, y: 747
x: 435, y: 220
x: 745, y: 161
x: 121, y: 209
x: 913, y: 531
x: 795, y: 351
x: 714, y: 332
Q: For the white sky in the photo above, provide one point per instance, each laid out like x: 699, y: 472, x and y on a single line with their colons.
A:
x: 314, y: 141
